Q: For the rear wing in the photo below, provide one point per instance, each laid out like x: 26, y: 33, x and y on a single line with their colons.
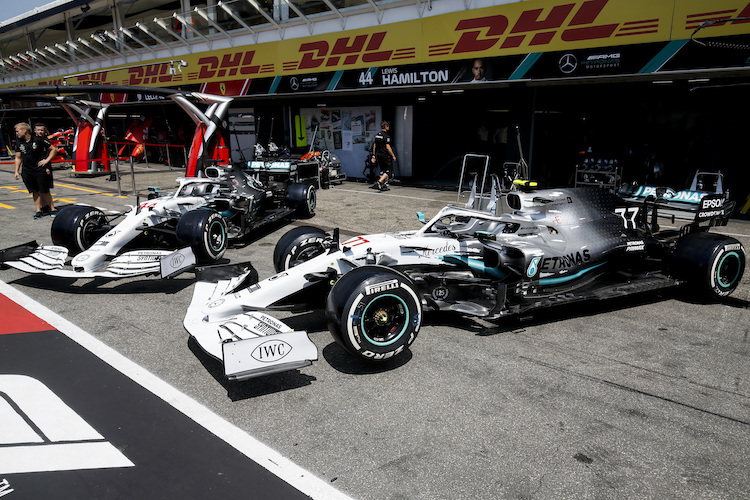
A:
x: 685, y: 205
x: 710, y: 210
x: 714, y: 209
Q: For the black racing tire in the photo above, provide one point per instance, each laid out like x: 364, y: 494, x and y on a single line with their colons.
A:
x: 78, y: 227
x: 298, y: 245
x: 303, y: 198
x: 712, y: 264
x: 205, y: 231
x: 374, y: 312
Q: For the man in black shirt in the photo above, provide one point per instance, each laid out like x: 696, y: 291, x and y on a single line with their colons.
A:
x: 382, y: 151
x: 33, y: 156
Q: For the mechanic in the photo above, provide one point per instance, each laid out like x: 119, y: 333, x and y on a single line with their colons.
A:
x: 34, y: 166
x: 383, y: 154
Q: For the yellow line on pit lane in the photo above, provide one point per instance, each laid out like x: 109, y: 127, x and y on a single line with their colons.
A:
x: 3, y: 205
x: 88, y: 190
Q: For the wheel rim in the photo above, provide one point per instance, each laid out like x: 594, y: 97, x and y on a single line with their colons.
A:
x: 306, y: 254
x: 88, y: 232
x: 384, y: 320
x: 216, y: 237
x: 311, y: 200
x: 729, y: 270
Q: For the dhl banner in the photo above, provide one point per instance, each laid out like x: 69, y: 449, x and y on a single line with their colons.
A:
x: 513, y: 29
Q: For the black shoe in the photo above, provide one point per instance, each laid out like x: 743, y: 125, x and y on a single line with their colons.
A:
x: 38, y: 215
x: 52, y: 212
x: 45, y: 210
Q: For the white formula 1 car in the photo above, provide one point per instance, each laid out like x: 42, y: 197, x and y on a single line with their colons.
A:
x: 168, y: 233
x: 500, y: 254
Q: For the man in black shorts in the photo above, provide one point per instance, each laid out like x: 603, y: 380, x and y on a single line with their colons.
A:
x: 33, y: 156
x: 383, y: 153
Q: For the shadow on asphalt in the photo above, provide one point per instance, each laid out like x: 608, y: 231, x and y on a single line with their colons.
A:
x: 315, y: 321
x: 251, y: 388
x: 83, y: 286
x: 339, y: 359
x: 344, y: 362
x: 575, y: 310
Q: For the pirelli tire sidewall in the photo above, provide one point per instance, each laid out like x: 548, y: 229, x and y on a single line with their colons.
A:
x: 77, y: 227
x: 362, y: 293
x: 298, y: 245
x: 712, y: 264
x: 205, y: 231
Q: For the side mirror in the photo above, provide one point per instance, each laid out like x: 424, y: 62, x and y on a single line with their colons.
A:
x: 420, y: 217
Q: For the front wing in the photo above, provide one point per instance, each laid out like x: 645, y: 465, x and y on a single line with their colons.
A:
x: 50, y: 260
x: 249, y: 344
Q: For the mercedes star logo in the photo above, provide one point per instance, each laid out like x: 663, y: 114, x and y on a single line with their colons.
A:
x: 568, y: 63
x: 294, y: 83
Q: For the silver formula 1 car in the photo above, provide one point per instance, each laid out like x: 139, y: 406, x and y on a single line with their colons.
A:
x: 168, y: 233
x: 500, y: 254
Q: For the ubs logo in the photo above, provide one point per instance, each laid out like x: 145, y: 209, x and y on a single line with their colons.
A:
x: 568, y: 63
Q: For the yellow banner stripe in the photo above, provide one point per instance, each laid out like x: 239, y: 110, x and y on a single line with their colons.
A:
x: 528, y: 27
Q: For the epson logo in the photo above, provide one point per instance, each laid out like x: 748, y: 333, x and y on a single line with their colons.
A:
x: 708, y: 203
x: 381, y: 287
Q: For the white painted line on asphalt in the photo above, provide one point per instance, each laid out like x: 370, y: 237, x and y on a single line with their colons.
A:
x: 736, y: 235
x: 61, y: 456
x: 265, y: 456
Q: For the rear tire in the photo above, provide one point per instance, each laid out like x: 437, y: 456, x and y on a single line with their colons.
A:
x: 205, y: 231
x: 298, y: 245
x: 78, y: 227
x: 374, y: 312
x: 303, y: 198
x: 712, y: 264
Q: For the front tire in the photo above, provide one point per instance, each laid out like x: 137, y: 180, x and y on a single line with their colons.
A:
x: 374, y: 312
x: 77, y: 227
x: 712, y: 264
x: 298, y: 245
x: 205, y: 231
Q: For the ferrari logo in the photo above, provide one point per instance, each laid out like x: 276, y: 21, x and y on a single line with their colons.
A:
x: 223, y: 88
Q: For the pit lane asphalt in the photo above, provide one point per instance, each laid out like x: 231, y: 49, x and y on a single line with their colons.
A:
x: 644, y: 397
